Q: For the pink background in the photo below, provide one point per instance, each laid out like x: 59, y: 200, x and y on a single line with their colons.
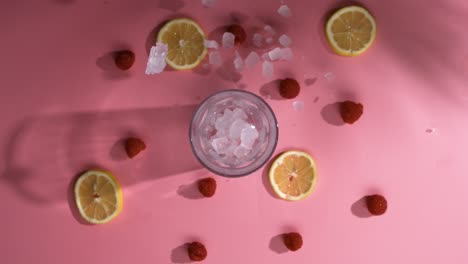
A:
x: 64, y: 108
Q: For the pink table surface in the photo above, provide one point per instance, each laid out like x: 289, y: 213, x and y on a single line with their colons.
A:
x: 64, y: 108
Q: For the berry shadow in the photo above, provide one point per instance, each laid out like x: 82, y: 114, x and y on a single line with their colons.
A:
x: 180, y: 255
x: 331, y: 114
x: 190, y: 191
x: 277, y: 244
x: 359, y: 208
x: 109, y: 70
x: 270, y: 90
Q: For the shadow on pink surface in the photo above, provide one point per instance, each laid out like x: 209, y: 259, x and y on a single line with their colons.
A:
x: 180, y: 255
x: 359, y: 208
x: 190, y: 191
x: 107, y: 64
x: 277, y: 244
x: 47, y: 152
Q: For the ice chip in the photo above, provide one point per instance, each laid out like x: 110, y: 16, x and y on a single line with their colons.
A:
x: 248, y: 136
x: 284, y: 11
x: 267, y: 69
x: 221, y: 145
x: 228, y: 40
x: 157, y: 59
x: 241, y: 152
x: 215, y: 58
x: 208, y: 3
x: 236, y: 128
x: 285, y: 40
x: 269, y: 30
x: 257, y: 40
x: 298, y: 105
x: 286, y: 54
x: 211, y: 44
x: 252, y: 60
x: 238, y: 113
x: 275, y: 54
x: 329, y: 76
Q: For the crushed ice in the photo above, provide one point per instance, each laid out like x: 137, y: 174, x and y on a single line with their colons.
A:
x: 211, y: 44
x: 215, y: 58
x: 157, y: 59
x: 285, y: 40
x: 234, y: 135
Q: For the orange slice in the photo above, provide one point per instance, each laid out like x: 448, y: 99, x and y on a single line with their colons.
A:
x: 293, y: 175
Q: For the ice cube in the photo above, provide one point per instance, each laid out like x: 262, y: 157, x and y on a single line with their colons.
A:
x: 157, y: 59
x: 284, y: 11
x: 248, y: 136
x: 265, y: 56
x: 221, y: 145
x: 257, y: 40
x: 298, y: 105
x: 275, y: 54
x: 329, y: 76
x: 269, y: 30
x: 211, y: 44
x: 208, y: 3
x: 223, y: 122
x: 241, y: 152
x: 269, y: 40
x: 215, y: 58
x: 228, y: 40
x: 252, y: 60
x: 267, y: 69
x: 238, y: 62
x: 285, y: 40
x: 286, y: 54
x: 236, y: 128
x: 229, y: 114
x: 239, y: 114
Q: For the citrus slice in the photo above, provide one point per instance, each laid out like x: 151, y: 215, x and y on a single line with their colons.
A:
x: 351, y: 31
x: 98, y: 196
x: 185, y: 41
x: 293, y: 175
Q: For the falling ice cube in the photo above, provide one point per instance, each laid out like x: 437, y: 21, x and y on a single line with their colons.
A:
x: 215, y: 58
x: 286, y: 54
x: 238, y: 62
x: 208, y: 3
x: 267, y: 69
x: 275, y: 54
x: 221, y: 145
x: 252, y: 60
x: 269, y: 40
x: 236, y: 128
x: 284, y: 40
x: 157, y: 59
x: 228, y: 40
x: 298, y: 105
x: 248, y: 136
x: 211, y: 44
x: 284, y: 11
x: 257, y: 40
x: 269, y: 30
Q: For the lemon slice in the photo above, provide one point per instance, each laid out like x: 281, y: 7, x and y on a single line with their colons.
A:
x: 293, y: 175
x: 351, y: 31
x: 98, y: 196
x: 185, y: 40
